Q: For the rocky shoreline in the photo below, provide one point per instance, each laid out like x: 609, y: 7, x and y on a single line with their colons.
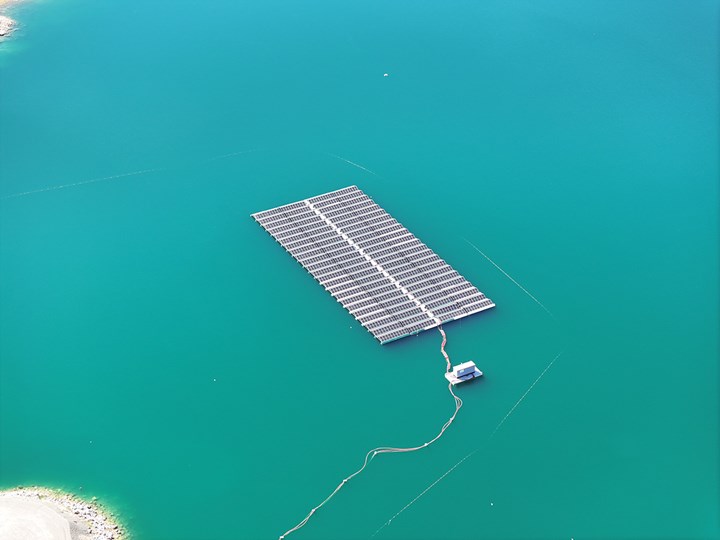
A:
x: 6, y: 25
x: 86, y: 520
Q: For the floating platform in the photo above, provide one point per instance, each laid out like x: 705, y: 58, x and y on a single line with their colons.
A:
x: 392, y: 283
x: 463, y: 372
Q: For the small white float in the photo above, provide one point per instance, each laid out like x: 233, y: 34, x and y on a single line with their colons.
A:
x: 463, y: 372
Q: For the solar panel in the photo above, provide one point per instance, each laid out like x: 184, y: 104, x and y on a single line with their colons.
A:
x: 392, y: 283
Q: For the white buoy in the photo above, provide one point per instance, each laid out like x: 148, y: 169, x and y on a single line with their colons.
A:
x: 386, y: 74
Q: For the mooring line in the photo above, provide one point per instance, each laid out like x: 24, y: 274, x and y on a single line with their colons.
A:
x: 512, y: 409
x: 468, y: 456
x: 423, y: 492
x: 352, y: 163
x: 124, y: 175
x: 510, y: 278
x: 385, y: 449
x: 81, y: 183
x: 233, y: 154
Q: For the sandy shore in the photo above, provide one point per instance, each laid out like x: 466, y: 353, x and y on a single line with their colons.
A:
x: 35, y: 513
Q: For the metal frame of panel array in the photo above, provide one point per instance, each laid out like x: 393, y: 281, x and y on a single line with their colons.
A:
x: 391, y: 282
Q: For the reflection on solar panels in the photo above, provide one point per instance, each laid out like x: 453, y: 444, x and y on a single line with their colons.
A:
x: 392, y: 283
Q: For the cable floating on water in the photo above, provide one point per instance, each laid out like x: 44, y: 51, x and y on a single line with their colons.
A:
x: 385, y: 450
x: 468, y: 456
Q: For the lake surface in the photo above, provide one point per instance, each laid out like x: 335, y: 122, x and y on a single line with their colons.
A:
x: 161, y: 351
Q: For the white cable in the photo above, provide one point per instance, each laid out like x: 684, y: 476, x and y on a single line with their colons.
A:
x: 384, y: 450
x: 451, y: 469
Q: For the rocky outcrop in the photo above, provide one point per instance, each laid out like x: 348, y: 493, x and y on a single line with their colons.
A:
x: 6, y: 25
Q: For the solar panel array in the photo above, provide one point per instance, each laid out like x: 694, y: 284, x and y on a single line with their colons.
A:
x: 391, y: 282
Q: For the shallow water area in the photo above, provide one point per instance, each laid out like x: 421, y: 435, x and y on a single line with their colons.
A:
x: 161, y: 351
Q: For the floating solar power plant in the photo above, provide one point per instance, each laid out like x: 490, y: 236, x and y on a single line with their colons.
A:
x: 391, y: 282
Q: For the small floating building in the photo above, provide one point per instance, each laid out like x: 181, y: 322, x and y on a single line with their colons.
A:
x: 463, y: 372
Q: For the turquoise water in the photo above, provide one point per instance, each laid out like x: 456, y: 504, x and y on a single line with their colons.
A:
x: 160, y: 351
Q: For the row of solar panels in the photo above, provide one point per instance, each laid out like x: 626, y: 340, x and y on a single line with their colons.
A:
x: 391, y: 259
x: 359, y: 286
x: 386, y: 278
x: 322, y: 236
x: 345, y: 253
